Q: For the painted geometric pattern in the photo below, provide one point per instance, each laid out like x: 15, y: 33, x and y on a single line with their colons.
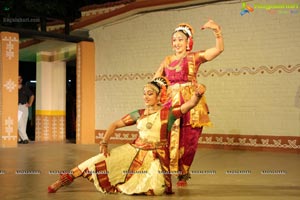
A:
x: 10, y: 85
x: 251, y: 70
x: 282, y: 143
x: 118, y: 136
x: 121, y: 77
x: 205, y: 73
x: 10, y: 46
x: 50, y: 128
x: 9, y: 129
x: 249, y: 142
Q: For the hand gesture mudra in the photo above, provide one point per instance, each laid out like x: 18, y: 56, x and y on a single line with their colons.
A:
x: 210, y: 24
x: 200, y: 89
x: 104, y: 149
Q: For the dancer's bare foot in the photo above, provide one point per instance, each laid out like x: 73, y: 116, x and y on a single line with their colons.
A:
x: 181, y: 183
x: 54, y: 187
x: 64, y: 179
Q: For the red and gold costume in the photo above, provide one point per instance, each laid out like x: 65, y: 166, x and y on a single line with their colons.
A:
x: 138, y: 168
x: 182, y: 73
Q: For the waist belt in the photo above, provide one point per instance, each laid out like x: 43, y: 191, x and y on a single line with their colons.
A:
x: 179, y: 85
x: 147, y: 145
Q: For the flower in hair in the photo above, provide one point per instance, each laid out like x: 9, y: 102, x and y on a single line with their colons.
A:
x: 185, y: 29
x: 161, y: 81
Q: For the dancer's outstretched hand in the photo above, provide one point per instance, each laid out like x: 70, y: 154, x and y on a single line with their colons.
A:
x: 103, y: 148
x: 200, y: 89
x: 210, y: 24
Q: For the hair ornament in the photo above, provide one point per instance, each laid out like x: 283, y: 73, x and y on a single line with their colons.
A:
x: 185, y: 30
x: 163, y: 83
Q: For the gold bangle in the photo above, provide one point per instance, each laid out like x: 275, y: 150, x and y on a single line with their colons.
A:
x: 103, y: 143
x: 198, y: 95
x: 218, y: 34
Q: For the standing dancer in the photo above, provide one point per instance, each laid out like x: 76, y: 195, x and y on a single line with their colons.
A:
x: 181, y: 69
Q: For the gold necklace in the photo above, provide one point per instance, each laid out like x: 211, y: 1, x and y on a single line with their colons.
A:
x: 177, y: 67
x: 180, y: 56
x: 150, y: 124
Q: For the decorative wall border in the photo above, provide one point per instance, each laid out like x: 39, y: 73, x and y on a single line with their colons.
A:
x: 117, y: 137
x: 122, y: 77
x: 262, y: 70
x: 250, y: 70
x: 289, y: 144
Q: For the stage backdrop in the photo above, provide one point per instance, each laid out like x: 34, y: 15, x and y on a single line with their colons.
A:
x: 253, y: 87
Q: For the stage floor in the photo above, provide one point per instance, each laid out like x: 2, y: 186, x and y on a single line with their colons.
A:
x: 26, y: 171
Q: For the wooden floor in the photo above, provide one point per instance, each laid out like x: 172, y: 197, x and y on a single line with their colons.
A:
x: 26, y: 171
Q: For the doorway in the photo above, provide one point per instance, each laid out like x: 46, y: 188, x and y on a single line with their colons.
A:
x: 71, y: 101
x: 28, y: 72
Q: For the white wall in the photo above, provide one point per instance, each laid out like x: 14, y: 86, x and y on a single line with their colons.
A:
x: 253, y: 86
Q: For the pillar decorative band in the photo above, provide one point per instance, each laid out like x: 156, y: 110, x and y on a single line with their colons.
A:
x: 51, y: 112
x: 50, y: 125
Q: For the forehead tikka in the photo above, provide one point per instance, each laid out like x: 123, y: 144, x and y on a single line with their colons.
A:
x: 153, y: 87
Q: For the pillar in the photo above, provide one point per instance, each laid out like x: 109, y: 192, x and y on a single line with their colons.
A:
x: 50, y: 98
x: 85, y: 93
x: 9, y: 67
